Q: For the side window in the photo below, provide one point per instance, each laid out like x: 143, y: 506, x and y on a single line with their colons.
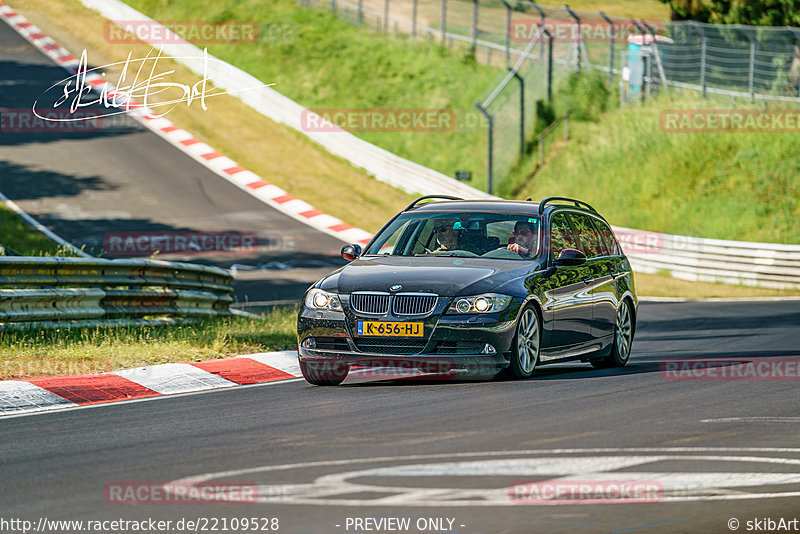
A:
x: 587, y: 235
x: 561, y: 235
x: 608, y: 237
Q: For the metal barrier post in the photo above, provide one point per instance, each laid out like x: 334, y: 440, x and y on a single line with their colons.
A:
x: 541, y: 24
x: 386, y: 16
x: 549, y: 63
x: 699, y: 29
x: 360, y: 12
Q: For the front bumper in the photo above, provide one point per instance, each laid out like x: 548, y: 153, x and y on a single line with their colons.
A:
x: 451, y: 342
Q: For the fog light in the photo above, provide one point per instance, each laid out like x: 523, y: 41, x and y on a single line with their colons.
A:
x: 463, y: 306
x: 308, y: 343
x: 488, y: 349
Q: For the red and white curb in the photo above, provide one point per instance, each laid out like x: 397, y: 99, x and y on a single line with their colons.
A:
x: 223, y: 166
x: 53, y: 393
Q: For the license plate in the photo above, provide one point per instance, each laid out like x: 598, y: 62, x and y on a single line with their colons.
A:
x: 390, y: 328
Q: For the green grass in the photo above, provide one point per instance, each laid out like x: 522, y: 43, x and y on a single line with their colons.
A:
x: 22, y: 239
x: 57, y: 352
x: 323, y: 62
x: 740, y: 186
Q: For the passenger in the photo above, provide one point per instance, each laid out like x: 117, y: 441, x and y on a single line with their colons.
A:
x: 524, y: 239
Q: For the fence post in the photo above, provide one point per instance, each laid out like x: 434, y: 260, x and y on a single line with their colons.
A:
x: 752, y: 72
x: 508, y: 33
x: 333, y: 6
x: 566, y: 126
x: 580, y: 38
x: 386, y: 16
x: 490, y: 147
x: 699, y: 29
x: 657, y: 55
x: 541, y: 23
x: 414, y: 17
x: 549, y: 63
x: 475, y: 24
x: 360, y: 12
x: 444, y: 22
x: 610, y: 47
x: 521, y: 111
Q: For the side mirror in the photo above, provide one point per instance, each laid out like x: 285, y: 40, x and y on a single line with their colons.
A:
x: 351, y: 252
x: 570, y: 256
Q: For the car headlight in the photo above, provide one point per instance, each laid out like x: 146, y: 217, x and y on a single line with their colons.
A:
x: 486, y: 303
x: 317, y: 299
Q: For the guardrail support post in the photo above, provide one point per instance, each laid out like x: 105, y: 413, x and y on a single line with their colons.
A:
x: 541, y: 25
x: 489, y: 149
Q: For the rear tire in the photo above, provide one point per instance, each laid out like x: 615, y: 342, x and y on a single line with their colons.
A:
x: 623, y: 338
x: 328, y: 373
x: 527, y: 342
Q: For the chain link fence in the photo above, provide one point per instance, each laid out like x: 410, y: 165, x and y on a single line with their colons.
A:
x: 540, y: 45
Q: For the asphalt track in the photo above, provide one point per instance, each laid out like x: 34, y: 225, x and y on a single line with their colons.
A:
x: 376, y: 450
x: 85, y: 185
x: 57, y: 465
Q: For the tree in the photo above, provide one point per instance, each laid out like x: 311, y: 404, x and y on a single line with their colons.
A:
x: 752, y: 12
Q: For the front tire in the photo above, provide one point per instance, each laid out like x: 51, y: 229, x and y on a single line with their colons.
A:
x: 328, y: 373
x: 623, y: 338
x: 527, y: 342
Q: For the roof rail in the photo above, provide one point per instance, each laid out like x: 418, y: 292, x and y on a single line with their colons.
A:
x: 446, y: 197
x: 578, y: 203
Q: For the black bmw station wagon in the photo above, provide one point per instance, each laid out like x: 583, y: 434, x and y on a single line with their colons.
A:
x: 473, y: 287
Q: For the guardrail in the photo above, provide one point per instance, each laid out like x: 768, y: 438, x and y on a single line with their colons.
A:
x: 49, y: 292
x: 769, y: 265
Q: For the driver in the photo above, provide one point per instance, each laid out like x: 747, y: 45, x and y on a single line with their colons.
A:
x: 446, y: 235
x: 523, y: 240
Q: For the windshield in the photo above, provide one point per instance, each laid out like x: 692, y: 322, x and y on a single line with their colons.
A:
x: 489, y: 235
